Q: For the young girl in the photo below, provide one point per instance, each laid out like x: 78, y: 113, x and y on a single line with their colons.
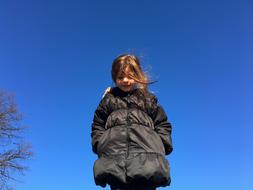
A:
x: 130, y: 132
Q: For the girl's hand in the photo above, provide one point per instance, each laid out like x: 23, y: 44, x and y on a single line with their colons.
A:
x: 108, y: 89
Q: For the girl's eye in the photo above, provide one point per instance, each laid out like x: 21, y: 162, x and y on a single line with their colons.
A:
x: 120, y: 78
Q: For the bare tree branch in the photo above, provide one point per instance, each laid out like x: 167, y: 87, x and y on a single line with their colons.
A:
x: 13, y: 150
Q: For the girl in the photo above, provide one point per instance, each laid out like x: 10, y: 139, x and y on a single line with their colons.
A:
x: 130, y: 132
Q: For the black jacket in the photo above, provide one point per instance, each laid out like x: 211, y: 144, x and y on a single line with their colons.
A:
x: 131, y: 135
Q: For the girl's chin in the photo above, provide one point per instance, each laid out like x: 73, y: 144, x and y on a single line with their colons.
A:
x: 126, y: 89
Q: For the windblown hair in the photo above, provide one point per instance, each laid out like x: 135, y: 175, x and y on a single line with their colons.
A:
x: 132, y: 64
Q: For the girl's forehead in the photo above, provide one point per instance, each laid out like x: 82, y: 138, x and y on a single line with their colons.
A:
x: 125, y: 71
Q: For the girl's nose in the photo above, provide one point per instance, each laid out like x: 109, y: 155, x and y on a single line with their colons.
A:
x: 125, y: 79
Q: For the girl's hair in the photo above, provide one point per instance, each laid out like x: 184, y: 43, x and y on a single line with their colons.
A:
x: 132, y: 63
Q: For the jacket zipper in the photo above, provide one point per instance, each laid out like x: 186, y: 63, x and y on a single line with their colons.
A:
x: 128, y: 125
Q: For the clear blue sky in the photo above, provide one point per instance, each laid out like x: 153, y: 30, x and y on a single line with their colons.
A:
x: 56, y: 56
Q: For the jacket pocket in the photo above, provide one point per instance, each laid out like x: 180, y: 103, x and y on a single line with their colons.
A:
x: 159, y: 140
x: 148, y: 139
x: 102, y: 141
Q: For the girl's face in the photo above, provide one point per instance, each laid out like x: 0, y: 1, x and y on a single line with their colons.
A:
x: 124, y: 82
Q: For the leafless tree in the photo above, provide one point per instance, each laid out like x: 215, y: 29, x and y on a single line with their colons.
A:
x: 13, y: 150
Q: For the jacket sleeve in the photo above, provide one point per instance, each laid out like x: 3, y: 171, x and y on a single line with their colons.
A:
x: 98, y: 124
x: 162, y: 125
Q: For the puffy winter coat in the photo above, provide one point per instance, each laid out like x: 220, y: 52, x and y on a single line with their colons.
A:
x: 131, y: 135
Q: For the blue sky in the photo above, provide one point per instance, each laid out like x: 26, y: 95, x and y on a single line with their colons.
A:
x: 56, y: 57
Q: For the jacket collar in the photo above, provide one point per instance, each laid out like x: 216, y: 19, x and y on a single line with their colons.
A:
x: 118, y: 92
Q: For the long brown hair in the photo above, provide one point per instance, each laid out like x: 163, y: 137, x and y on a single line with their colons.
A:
x: 131, y: 62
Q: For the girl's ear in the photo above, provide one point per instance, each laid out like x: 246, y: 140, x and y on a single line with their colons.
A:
x: 107, y: 90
